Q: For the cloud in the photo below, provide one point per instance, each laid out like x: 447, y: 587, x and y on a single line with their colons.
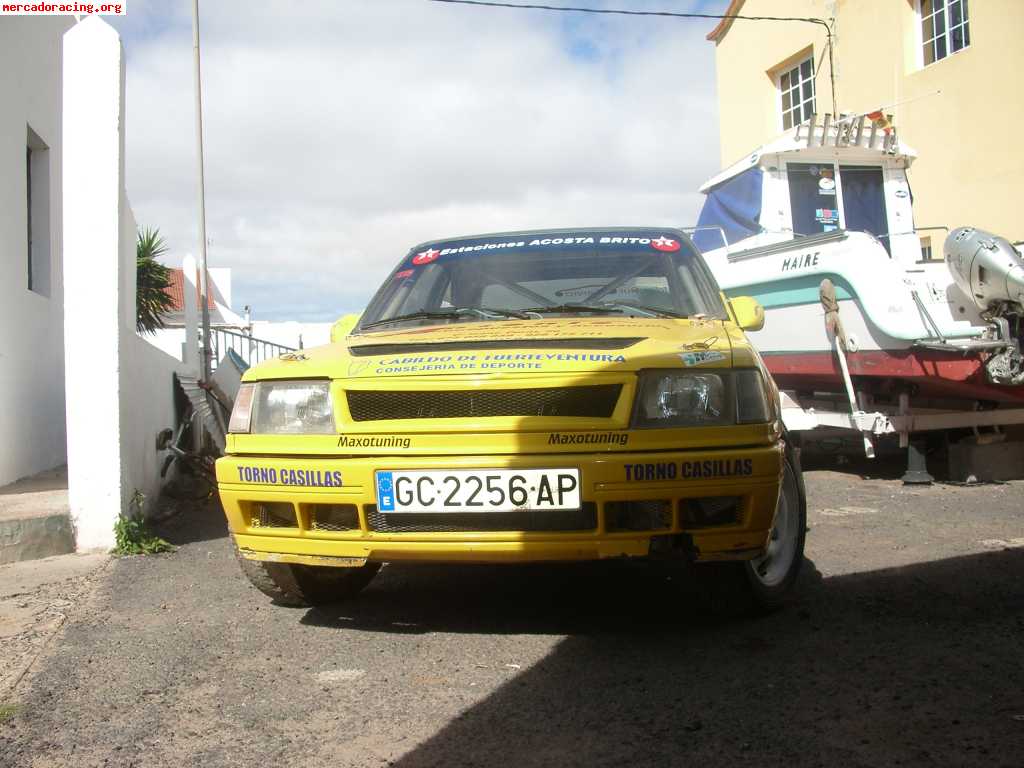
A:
x: 338, y: 135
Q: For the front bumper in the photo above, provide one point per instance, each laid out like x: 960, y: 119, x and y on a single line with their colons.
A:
x: 610, y: 483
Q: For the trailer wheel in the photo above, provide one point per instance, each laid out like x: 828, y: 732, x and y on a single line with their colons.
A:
x: 305, y: 585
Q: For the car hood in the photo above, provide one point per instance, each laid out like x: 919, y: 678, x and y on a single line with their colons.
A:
x: 555, y: 345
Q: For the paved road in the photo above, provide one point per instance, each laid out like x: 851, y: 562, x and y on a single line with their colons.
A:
x: 903, y: 647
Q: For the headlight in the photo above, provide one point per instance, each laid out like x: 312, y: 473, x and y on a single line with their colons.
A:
x: 682, y: 400
x: 284, y: 408
x: 701, y: 399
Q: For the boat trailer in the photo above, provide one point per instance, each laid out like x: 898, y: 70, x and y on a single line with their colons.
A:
x: 969, y: 252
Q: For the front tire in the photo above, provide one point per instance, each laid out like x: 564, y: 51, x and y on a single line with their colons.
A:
x: 306, y: 585
x: 771, y: 577
x: 762, y: 585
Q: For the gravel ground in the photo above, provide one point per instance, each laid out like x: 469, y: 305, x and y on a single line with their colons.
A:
x: 35, y: 599
x: 901, y: 647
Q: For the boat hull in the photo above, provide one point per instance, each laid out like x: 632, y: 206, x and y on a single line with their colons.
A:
x: 887, y: 330
x: 925, y: 372
x: 799, y: 352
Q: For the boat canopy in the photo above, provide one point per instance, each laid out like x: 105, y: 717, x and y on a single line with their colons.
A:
x: 735, y: 196
x: 734, y: 205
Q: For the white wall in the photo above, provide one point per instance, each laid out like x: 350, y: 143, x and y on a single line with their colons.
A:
x: 119, y: 387
x: 170, y: 341
x: 220, y: 284
x: 32, y: 436
x: 147, y: 406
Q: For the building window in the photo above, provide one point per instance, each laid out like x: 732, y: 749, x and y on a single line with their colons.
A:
x: 37, y: 214
x: 944, y: 28
x: 796, y: 86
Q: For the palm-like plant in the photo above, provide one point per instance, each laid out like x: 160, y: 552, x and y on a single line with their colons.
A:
x: 153, y: 279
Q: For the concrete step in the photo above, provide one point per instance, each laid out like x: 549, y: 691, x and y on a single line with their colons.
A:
x: 34, y: 518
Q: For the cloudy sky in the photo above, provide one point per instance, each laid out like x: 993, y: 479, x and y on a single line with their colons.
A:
x: 339, y: 133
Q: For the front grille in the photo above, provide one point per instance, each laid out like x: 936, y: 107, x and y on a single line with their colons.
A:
x: 710, y: 511
x: 273, y: 514
x: 638, y: 515
x: 591, y: 401
x: 334, y: 517
x: 584, y: 519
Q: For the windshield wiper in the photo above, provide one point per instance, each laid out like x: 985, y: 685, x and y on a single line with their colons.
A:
x: 569, y: 307
x: 656, y: 311
x: 448, y: 314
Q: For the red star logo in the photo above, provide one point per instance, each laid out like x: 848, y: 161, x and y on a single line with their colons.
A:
x: 425, y: 257
x: 665, y: 244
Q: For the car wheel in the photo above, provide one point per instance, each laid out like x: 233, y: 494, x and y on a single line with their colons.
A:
x: 305, y: 585
x: 762, y: 585
x: 771, y: 576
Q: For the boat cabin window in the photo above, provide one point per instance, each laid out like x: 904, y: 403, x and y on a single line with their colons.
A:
x: 812, y: 198
x: 864, y: 201
x: 824, y: 198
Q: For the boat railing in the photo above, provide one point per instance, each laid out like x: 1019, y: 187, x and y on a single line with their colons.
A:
x: 849, y: 131
x: 785, y: 245
x: 915, y: 231
x: 822, y: 238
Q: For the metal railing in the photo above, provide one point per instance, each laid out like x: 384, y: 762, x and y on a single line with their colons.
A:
x: 251, y: 350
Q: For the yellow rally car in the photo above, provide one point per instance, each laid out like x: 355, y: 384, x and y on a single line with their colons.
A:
x: 518, y: 397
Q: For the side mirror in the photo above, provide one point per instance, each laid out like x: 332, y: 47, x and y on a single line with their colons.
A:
x: 748, y: 312
x: 343, y: 327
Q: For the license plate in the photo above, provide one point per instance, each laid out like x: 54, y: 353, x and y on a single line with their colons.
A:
x: 477, y: 490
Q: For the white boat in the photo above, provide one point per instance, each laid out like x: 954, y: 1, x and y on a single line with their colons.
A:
x: 832, y: 202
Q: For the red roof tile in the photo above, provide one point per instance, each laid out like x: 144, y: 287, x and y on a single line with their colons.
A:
x: 176, y: 290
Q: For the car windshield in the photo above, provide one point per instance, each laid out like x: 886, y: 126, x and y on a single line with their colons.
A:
x: 618, y: 274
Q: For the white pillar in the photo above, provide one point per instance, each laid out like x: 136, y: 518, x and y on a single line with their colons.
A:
x: 93, y: 88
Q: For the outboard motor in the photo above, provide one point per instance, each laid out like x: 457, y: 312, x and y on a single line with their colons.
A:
x: 990, y: 270
x: 987, y: 267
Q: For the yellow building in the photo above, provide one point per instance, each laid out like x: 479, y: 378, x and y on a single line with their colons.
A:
x: 948, y: 71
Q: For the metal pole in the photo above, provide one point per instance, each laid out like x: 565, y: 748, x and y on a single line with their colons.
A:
x: 203, y: 275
